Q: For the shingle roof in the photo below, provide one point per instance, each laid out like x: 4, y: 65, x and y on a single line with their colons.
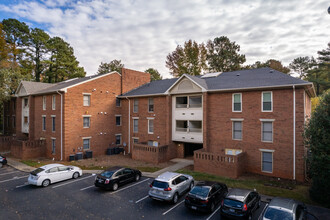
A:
x: 236, y: 80
x: 32, y: 87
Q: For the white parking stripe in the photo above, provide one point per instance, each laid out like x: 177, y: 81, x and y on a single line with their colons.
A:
x: 9, y: 172
x: 213, y: 213
x: 142, y: 199
x: 25, y: 184
x: 129, y: 186
x: 72, y: 181
x: 14, y: 178
x: 87, y: 187
x: 173, y: 207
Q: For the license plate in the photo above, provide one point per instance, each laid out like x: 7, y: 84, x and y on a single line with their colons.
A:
x: 232, y: 210
x: 193, y: 207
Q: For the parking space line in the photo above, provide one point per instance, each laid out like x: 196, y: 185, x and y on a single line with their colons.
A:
x: 142, y: 199
x: 173, y: 207
x: 263, y: 210
x: 130, y: 186
x: 25, y: 184
x: 73, y: 181
x: 87, y: 187
x: 213, y: 213
x: 14, y: 178
x: 9, y: 173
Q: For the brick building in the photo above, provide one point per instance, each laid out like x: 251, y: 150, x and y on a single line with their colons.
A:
x: 231, y: 123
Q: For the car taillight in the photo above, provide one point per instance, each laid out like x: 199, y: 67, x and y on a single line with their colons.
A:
x: 168, y: 189
x: 245, y: 207
x: 204, y: 201
x: 150, y: 185
x: 187, y: 198
x: 106, y: 181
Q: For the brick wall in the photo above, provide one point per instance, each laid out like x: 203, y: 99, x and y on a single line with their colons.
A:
x: 28, y: 149
x: 5, y: 143
x: 132, y: 79
x: 9, y: 116
x: 153, y: 155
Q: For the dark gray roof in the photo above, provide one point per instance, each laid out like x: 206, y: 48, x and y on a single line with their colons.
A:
x: 236, y: 80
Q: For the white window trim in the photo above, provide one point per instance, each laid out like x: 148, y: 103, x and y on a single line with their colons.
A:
x: 240, y: 101
x: 86, y: 137
x: 149, y: 105
x: 87, y: 116
x: 135, y: 117
x: 135, y: 138
x: 54, y: 102
x: 44, y: 103
x: 237, y: 119
x: 148, y: 125
x: 262, y: 101
x: 268, y: 151
x: 268, y: 120
x: 150, y: 118
x: 119, y: 118
x: 120, y: 138
x: 138, y: 125
x: 232, y: 124
x: 87, y: 94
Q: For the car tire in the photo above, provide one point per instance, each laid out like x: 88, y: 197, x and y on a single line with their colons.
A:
x: 45, y: 183
x: 114, y: 186
x: 75, y: 175
x: 137, y: 177
x: 175, y: 198
x: 212, y: 207
x: 191, y: 185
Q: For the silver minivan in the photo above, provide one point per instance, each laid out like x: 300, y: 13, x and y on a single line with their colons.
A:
x: 169, y: 186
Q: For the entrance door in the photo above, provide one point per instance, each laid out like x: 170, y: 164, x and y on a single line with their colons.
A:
x: 189, y: 149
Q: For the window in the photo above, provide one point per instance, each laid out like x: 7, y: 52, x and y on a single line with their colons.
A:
x: 267, y: 131
x: 181, y: 126
x: 53, y: 145
x: 181, y: 102
x: 153, y: 143
x: 267, y: 161
x: 135, y: 125
x: 26, y: 102
x: 118, y: 102
x: 195, y: 126
x: 136, y: 106
x: 86, y: 143
x: 87, y: 100
x: 195, y: 101
x: 135, y: 140
x: 118, y: 139
x: 237, y: 102
x: 26, y: 120
x: 118, y: 120
x: 44, y: 102
x: 53, y: 123
x: 86, y: 121
x: 14, y: 106
x: 53, y: 102
x: 150, y: 126
x: 151, y: 105
x: 237, y: 130
x: 14, y: 121
x: 267, y: 99
x: 44, y: 123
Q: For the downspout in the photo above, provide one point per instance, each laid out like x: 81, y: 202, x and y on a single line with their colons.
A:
x: 3, y: 118
x: 61, y: 125
x: 294, y: 132
x: 129, y: 125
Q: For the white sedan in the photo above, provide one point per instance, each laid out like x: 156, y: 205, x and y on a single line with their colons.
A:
x: 52, y: 173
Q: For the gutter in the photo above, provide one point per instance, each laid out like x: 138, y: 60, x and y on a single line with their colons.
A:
x: 294, y: 132
x: 129, y: 125
x: 61, y: 124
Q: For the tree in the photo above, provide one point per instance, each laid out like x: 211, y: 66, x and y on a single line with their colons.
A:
x: 317, y: 138
x: 223, y: 55
x: 114, y: 65
x: 274, y: 64
x: 190, y: 59
x: 301, y: 65
x: 154, y: 74
x: 62, y: 63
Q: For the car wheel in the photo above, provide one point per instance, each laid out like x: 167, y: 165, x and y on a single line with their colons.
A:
x: 191, y: 185
x: 75, y: 175
x: 175, y: 198
x: 212, y: 207
x: 137, y: 177
x: 45, y: 183
x: 115, y: 186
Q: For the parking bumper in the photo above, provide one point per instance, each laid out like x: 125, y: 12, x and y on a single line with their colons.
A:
x: 33, y: 182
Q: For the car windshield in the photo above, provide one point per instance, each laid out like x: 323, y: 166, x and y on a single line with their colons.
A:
x: 159, y: 184
x: 200, y: 191
x: 233, y: 203
x: 277, y: 214
x: 107, y: 174
x: 35, y: 172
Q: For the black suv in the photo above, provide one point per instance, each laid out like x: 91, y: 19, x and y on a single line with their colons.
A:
x: 3, y: 161
x: 114, y: 177
x: 205, y: 196
x: 240, y: 204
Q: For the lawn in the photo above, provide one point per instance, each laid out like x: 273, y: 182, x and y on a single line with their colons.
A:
x: 297, y: 191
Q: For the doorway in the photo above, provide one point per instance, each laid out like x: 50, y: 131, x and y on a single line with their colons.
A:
x: 189, y: 149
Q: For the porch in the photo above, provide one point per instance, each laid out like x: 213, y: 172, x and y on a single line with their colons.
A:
x: 151, y: 154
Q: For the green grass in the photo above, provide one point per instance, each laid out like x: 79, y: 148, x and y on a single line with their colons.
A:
x: 32, y: 163
x: 299, y: 192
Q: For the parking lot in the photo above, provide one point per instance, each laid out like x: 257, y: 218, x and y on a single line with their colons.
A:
x: 80, y: 199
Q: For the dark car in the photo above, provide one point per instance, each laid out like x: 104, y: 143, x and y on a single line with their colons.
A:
x: 114, y: 177
x: 205, y: 196
x: 240, y: 204
x: 286, y: 209
x: 3, y: 161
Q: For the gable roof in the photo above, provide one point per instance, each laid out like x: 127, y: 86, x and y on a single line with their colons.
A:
x: 236, y: 80
x: 30, y: 88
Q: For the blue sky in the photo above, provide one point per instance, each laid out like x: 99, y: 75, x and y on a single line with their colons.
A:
x: 142, y: 33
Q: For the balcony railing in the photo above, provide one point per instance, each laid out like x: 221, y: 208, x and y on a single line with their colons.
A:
x: 197, y: 130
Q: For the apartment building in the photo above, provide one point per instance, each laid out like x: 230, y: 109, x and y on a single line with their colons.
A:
x: 231, y: 122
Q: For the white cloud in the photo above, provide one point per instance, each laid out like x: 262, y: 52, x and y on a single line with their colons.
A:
x: 142, y: 33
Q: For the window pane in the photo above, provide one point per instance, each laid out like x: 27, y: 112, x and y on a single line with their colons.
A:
x: 267, y: 97
x: 117, y: 102
x: 118, y: 139
x: 135, y: 125
x: 181, y: 102
x: 195, y: 101
x: 86, y: 100
x: 237, y: 106
x: 237, y: 130
x: 267, y: 106
x: 151, y: 126
x: 267, y: 136
x: 151, y: 105
x: 267, y: 161
x: 267, y: 131
x: 118, y: 121
x: 267, y: 126
x: 86, y: 122
x: 237, y: 98
x: 181, y: 126
x: 195, y: 126
x: 53, y: 119
x: 86, y: 143
x: 136, y: 105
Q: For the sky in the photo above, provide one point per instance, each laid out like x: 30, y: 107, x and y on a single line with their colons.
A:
x: 141, y: 33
